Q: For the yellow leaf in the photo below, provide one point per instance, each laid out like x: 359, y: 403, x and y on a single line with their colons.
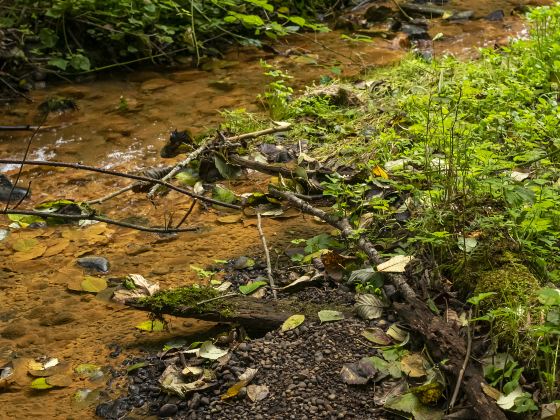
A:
x: 154, y: 326
x: 234, y: 390
x: 380, y: 172
x: 93, y: 284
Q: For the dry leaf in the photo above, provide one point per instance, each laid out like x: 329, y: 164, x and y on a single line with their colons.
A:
x: 397, y: 264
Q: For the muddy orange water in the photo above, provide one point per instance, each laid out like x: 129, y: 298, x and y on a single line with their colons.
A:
x: 39, y: 316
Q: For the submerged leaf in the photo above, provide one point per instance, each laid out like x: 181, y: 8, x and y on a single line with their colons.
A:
x: 413, y: 365
x: 93, y: 284
x: 257, y: 392
x: 40, y: 383
x: 153, y: 326
x: 358, y: 373
x: 377, y: 336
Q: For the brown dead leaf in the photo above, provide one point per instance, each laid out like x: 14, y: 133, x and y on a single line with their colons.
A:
x: 56, y: 246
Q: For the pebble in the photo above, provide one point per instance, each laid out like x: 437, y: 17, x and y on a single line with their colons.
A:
x: 168, y: 410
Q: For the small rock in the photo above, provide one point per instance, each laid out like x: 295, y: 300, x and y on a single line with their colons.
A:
x: 495, y: 16
x: 464, y: 15
x: 168, y: 410
x: 94, y: 263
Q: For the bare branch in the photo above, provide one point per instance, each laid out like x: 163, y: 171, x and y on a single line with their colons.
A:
x: 45, y: 215
x: 122, y: 175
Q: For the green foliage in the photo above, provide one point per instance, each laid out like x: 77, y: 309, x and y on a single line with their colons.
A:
x: 82, y: 35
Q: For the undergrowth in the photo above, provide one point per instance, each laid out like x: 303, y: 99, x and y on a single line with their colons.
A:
x: 460, y: 166
x: 80, y: 36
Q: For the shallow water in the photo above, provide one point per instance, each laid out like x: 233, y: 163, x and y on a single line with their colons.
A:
x: 38, y: 315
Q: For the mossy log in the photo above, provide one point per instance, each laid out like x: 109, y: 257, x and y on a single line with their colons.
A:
x: 255, y: 315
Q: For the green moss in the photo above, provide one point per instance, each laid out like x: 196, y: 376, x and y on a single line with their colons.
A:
x: 183, y: 296
x: 513, y: 284
x: 512, y: 308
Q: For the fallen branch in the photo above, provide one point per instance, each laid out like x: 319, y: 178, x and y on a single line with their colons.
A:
x: 265, y: 168
x: 267, y: 256
x: 122, y: 175
x: 441, y: 338
x: 78, y: 217
x: 346, y: 230
x: 187, y: 214
x: 196, y: 153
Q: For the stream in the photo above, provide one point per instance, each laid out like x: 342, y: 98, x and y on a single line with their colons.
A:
x: 39, y: 316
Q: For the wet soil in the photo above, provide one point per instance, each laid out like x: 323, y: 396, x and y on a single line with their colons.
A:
x: 39, y: 316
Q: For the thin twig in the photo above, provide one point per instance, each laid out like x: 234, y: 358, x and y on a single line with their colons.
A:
x: 267, y: 256
x: 179, y: 167
x: 276, y: 129
x: 187, y: 214
x: 27, y: 148
x: 46, y: 215
x: 17, y: 92
x: 216, y: 298
x: 111, y: 195
x: 122, y: 175
x: 465, y: 363
x: 24, y: 196
x: 402, y: 11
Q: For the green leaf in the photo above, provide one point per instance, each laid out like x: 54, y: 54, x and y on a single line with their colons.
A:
x: 247, y: 289
x: 58, y: 62
x: 225, y: 169
x: 80, y: 62
x: 292, y: 322
x: 152, y: 326
x: 210, y: 351
x: 329, y: 316
x: 87, y: 369
x: 25, y: 220
x: 136, y: 366
x: 48, y: 37
x: 549, y: 296
x: 475, y: 300
x: 466, y: 244
x: 222, y: 194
